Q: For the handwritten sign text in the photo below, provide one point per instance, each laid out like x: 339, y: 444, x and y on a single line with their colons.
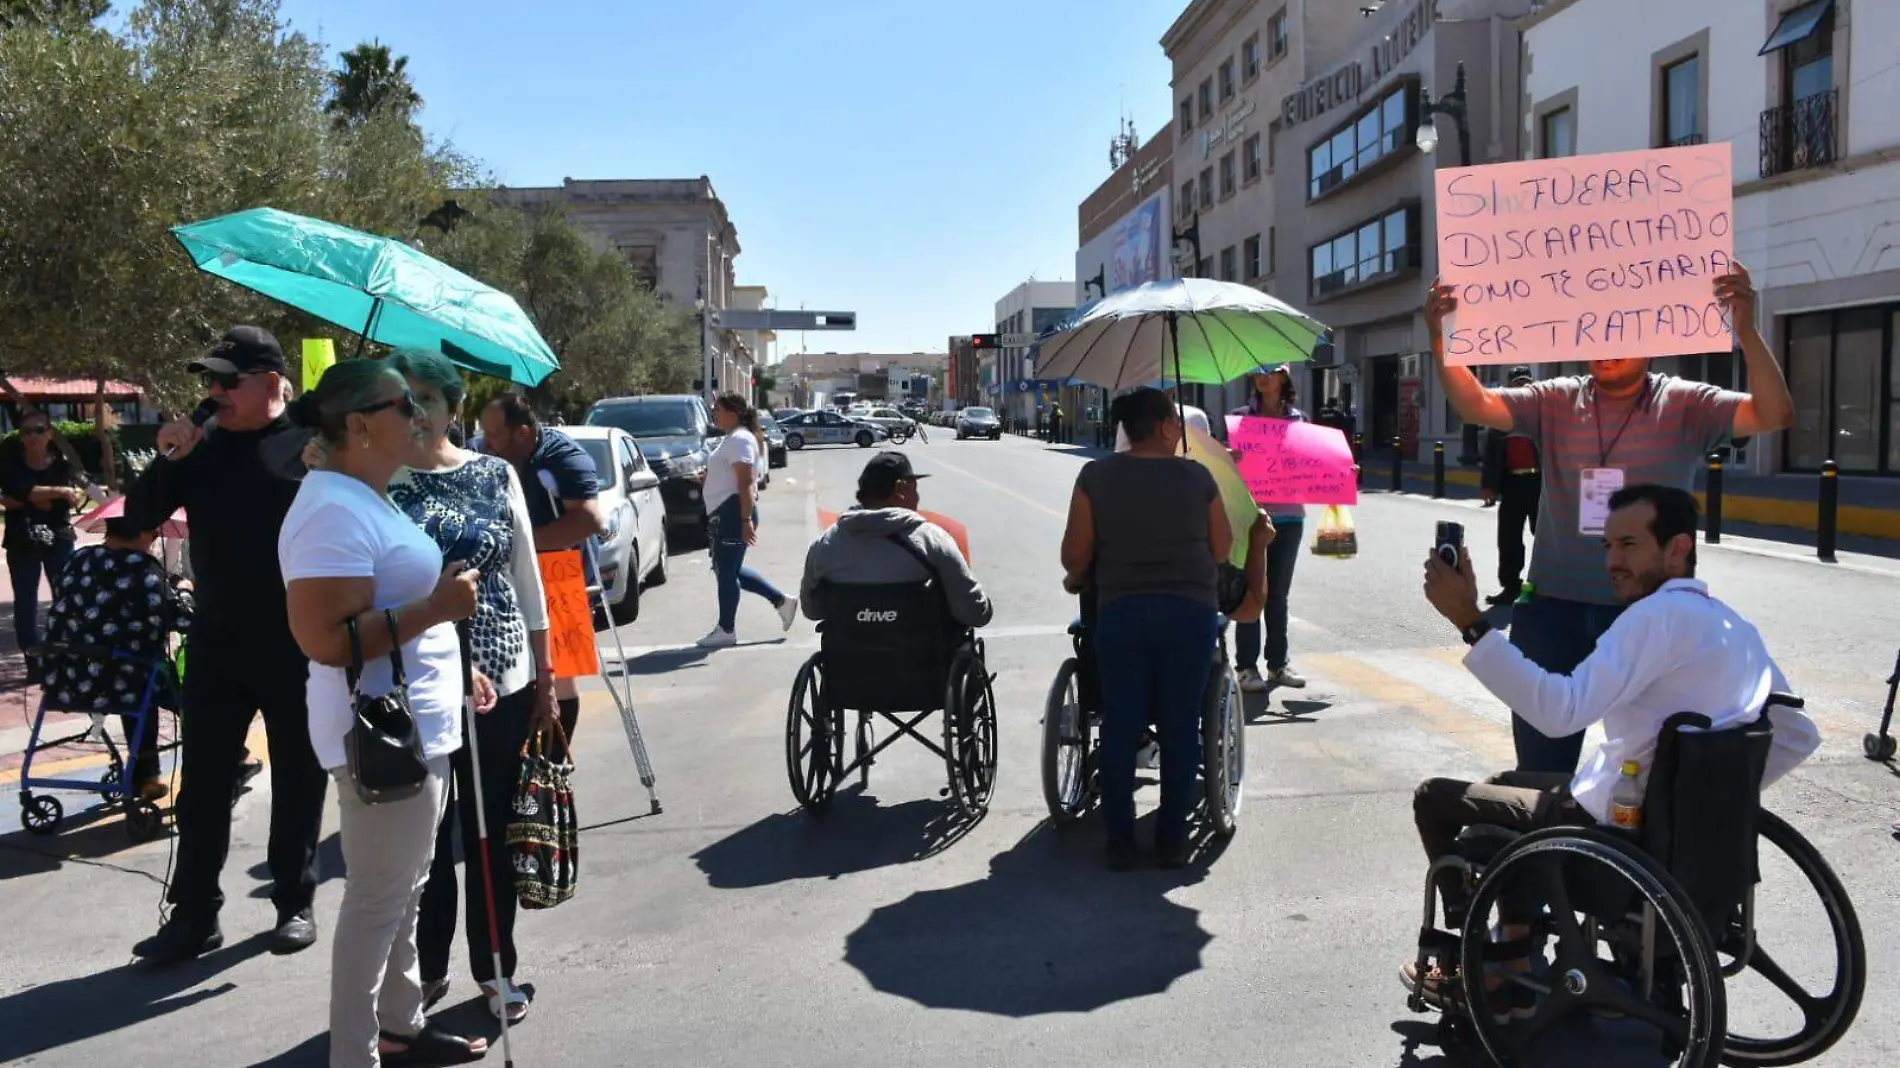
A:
x: 570, y: 617
x: 1290, y: 462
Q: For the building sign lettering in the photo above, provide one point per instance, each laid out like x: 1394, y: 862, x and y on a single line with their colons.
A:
x: 1232, y: 125
x: 1346, y: 84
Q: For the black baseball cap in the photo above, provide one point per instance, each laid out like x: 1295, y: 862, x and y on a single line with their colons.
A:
x: 1520, y: 373
x: 883, y: 473
x: 244, y: 349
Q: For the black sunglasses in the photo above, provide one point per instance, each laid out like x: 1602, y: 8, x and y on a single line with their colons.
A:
x: 405, y: 404
x: 224, y: 379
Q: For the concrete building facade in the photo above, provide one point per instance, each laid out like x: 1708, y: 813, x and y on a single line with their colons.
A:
x: 677, y: 235
x: 1355, y: 196
x: 804, y: 377
x: 1234, y: 62
x: 1803, y: 90
x: 1030, y: 308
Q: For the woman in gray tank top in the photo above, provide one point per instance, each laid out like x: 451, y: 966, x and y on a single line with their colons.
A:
x: 1146, y: 528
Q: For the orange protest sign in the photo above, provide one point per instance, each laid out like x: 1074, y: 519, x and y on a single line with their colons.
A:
x: 1587, y: 257
x: 957, y: 531
x: 570, y: 617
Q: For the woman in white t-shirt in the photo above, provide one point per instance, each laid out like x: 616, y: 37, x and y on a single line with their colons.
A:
x: 732, y: 519
x: 349, y: 555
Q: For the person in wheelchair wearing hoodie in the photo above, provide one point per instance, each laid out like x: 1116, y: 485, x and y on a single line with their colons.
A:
x: 884, y: 540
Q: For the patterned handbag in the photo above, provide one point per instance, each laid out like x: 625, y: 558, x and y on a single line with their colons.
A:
x: 544, y: 836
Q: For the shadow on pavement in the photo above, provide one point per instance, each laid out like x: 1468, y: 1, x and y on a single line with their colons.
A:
x: 855, y: 834
x: 1049, y: 930
x: 1291, y: 711
x: 1578, y: 1041
x: 88, y: 1006
x: 85, y: 838
x: 312, y: 1052
x: 329, y: 866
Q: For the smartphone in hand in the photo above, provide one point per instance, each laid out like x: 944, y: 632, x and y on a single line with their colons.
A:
x: 1449, y: 541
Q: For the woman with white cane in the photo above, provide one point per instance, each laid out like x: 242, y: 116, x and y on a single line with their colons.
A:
x: 373, y: 607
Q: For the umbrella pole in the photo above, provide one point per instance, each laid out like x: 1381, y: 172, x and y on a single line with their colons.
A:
x: 1180, y: 405
x: 362, y: 339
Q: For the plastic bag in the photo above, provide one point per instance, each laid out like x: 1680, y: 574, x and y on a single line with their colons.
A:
x: 1337, y: 536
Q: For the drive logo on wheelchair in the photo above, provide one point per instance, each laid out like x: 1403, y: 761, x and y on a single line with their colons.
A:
x: 872, y: 615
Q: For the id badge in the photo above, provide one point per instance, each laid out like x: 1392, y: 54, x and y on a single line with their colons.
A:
x: 1598, y: 485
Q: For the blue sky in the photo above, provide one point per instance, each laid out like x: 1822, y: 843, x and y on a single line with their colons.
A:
x: 907, y: 161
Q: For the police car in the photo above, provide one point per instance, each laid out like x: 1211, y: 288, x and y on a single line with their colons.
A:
x: 830, y: 428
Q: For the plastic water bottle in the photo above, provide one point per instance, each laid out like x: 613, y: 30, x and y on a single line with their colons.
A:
x: 1526, y: 592
x: 1626, y: 803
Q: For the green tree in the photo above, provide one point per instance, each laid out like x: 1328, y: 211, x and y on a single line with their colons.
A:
x: 369, y: 83
x: 56, y: 13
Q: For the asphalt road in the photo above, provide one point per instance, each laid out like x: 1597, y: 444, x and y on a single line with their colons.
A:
x: 732, y: 930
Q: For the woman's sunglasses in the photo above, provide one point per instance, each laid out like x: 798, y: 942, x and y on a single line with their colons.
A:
x: 406, y: 404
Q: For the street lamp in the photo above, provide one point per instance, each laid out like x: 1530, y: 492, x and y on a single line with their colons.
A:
x: 1451, y: 105
x: 1187, y: 247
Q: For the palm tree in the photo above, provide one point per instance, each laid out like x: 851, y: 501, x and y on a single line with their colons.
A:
x: 369, y: 81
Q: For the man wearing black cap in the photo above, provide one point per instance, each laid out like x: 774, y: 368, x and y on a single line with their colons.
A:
x: 243, y: 659
x: 864, y: 548
x: 1512, y: 480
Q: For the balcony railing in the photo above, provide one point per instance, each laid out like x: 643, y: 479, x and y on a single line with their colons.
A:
x: 1799, y: 135
x: 1690, y: 139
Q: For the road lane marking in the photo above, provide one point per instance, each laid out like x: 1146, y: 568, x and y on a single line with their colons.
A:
x: 1471, y: 730
x: 1000, y: 488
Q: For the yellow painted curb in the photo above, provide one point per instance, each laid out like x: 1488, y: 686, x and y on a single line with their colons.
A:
x: 255, y: 741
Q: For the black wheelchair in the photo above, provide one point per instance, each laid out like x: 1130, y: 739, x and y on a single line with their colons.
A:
x: 891, y: 651
x: 1071, y: 726
x: 1643, y: 928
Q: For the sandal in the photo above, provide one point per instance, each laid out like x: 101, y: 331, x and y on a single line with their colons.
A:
x: 513, y: 998
x: 431, y: 1046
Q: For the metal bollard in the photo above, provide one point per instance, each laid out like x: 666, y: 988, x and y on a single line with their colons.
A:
x: 1713, y: 492
x: 1827, y: 526
x: 1438, y: 469
x: 1358, y: 454
x: 1398, y: 465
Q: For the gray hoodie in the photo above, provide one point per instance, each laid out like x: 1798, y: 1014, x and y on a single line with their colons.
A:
x: 859, y: 552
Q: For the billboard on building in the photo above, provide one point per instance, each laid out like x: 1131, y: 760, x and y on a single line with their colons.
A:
x: 1135, y: 249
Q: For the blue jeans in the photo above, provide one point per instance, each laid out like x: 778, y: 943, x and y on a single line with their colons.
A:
x: 1282, y: 555
x: 25, y: 564
x: 731, y: 575
x: 1556, y: 635
x: 1152, y: 655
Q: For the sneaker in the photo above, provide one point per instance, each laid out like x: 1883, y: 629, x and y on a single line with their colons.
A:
x: 718, y: 639
x: 1507, y: 595
x: 788, y: 612
x: 1286, y: 677
x: 180, y: 939
x: 1444, y: 990
x: 1250, y: 681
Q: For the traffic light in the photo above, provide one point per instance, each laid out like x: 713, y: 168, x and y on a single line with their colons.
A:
x: 983, y: 341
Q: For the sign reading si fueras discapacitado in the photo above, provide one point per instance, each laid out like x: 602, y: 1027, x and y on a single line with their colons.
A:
x: 1587, y: 257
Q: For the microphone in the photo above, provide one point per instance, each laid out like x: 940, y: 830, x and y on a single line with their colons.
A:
x: 199, y: 417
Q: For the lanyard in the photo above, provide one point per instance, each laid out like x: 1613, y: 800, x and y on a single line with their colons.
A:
x: 1596, y: 409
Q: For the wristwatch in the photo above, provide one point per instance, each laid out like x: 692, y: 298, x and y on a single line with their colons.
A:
x: 1476, y: 631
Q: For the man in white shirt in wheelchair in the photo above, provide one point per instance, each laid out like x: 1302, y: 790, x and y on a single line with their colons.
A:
x: 1674, y: 649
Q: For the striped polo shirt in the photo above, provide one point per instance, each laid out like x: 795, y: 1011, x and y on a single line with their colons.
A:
x: 1662, y: 436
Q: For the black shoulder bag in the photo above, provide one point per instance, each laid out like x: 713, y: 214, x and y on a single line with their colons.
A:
x: 384, y: 748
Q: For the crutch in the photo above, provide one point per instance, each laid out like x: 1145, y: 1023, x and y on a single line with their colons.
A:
x: 623, y: 700
x: 481, y: 835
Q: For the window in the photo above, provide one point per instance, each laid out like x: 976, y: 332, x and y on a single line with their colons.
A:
x: 1250, y: 159
x: 1273, y: 257
x: 1250, y: 58
x: 1372, y: 252
x: 1227, y: 176
x: 1205, y: 268
x: 1187, y: 114
x: 1207, y: 100
x: 1844, y: 372
x: 1557, y: 134
x: 1250, y: 255
x: 1207, y: 186
x: 1187, y: 199
x: 1682, y: 102
x: 1801, y: 131
x: 1276, y: 35
x: 1227, y: 264
x: 1809, y: 62
x: 1372, y: 135
x: 1226, y: 81
x: 1273, y: 134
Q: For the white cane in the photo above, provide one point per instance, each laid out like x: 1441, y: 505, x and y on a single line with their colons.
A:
x: 503, y: 984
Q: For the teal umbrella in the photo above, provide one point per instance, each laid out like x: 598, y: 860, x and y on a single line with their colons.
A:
x: 379, y: 287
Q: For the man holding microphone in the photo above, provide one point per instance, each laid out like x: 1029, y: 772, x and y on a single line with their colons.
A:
x: 235, y: 484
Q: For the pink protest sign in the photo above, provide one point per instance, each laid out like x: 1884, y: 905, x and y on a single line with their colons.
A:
x: 1289, y: 462
x: 1587, y: 257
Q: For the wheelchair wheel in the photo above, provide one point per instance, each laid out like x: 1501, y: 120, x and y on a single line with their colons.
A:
x: 1068, y: 777
x: 1223, y: 750
x: 969, y: 732
x: 814, y: 739
x: 1825, y: 1017
x: 1685, y: 1011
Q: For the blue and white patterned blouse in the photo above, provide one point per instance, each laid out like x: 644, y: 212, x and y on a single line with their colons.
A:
x: 477, y: 515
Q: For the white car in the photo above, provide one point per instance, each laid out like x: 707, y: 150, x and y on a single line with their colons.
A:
x: 633, y: 544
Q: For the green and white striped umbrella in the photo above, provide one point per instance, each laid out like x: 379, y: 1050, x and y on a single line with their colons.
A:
x: 1193, y: 330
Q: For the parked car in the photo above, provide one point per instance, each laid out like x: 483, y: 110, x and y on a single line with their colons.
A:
x: 979, y: 423
x: 830, y: 428
x: 633, y: 543
x: 785, y: 413
x: 675, y: 434
x: 774, y: 441
x: 895, y: 423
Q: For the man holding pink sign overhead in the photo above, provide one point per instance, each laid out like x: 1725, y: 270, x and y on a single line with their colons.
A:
x: 1627, y: 257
